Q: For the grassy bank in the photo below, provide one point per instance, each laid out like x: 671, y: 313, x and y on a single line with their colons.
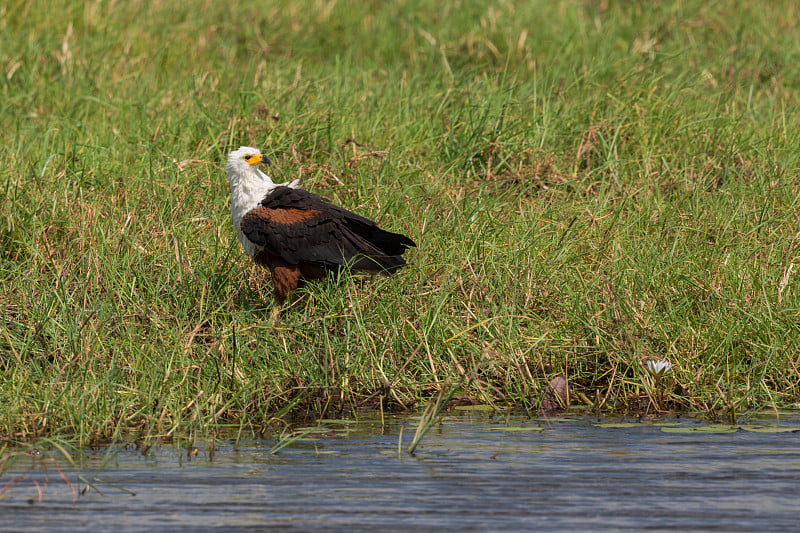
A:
x: 591, y: 185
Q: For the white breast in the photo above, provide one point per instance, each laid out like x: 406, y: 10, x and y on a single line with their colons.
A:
x: 246, y: 194
x: 247, y: 191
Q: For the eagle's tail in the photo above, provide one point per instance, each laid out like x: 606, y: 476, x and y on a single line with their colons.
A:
x: 378, y: 249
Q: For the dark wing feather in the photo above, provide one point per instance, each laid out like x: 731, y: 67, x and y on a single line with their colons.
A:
x: 299, y: 226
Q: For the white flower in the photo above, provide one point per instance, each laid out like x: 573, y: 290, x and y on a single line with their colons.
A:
x: 657, y: 368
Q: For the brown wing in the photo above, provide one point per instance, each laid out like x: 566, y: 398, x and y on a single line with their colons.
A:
x: 300, y: 227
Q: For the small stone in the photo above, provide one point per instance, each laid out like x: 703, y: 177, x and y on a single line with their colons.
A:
x: 556, y: 395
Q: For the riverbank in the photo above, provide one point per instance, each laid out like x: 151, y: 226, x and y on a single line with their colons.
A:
x: 591, y: 187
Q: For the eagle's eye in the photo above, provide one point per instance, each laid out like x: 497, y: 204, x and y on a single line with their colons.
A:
x: 248, y: 157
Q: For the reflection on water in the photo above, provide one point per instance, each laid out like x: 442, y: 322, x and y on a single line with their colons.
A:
x: 467, y: 475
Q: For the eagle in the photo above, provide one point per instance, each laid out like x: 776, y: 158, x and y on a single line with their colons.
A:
x: 298, y: 235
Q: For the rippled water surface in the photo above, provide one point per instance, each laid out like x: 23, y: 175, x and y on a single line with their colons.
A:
x: 471, y: 473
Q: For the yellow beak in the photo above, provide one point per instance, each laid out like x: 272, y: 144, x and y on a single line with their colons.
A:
x: 258, y: 159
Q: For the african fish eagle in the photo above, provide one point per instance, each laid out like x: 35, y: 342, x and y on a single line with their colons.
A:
x: 299, y: 235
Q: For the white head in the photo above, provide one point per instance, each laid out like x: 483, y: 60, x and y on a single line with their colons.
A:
x: 242, y: 168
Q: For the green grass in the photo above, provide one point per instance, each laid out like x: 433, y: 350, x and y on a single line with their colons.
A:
x: 591, y: 184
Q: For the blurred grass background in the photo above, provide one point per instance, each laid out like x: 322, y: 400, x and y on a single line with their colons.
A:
x: 591, y: 184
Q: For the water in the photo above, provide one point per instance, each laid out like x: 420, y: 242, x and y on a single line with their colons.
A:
x: 469, y: 474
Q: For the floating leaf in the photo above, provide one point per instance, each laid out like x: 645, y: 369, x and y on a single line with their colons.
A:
x: 770, y: 429
x: 474, y: 408
x: 314, y: 429
x: 712, y: 428
x: 634, y: 424
x: 517, y: 428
